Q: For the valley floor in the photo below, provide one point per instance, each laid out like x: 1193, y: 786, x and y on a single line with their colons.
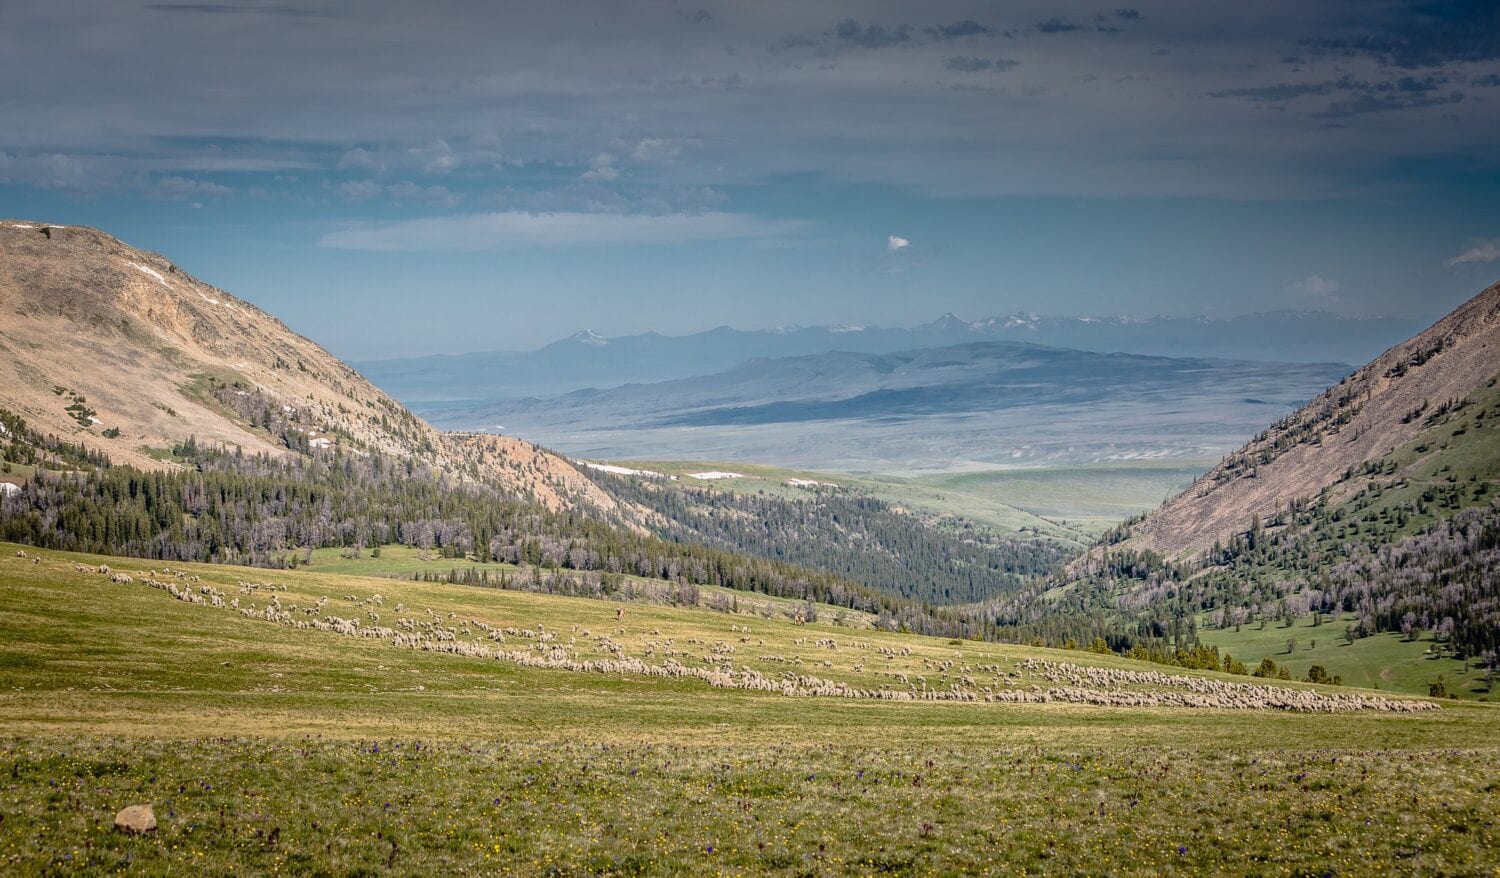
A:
x: 267, y: 746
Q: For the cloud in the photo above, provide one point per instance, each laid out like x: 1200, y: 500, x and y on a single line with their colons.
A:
x: 657, y: 149
x: 602, y: 169
x: 510, y: 230
x: 363, y: 190
x: 1416, y: 35
x: 972, y: 64
x: 235, y: 9
x: 871, y: 36
x: 1317, y: 287
x: 1479, y: 251
x: 359, y: 190
x: 894, y: 243
x: 436, y: 196
x: 1364, y: 96
x: 436, y: 157
x: 185, y: 189
x: 965, y: 28
x: 1055, y: 25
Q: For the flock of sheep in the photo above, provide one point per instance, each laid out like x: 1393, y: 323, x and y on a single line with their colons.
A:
x: 1031, y: 680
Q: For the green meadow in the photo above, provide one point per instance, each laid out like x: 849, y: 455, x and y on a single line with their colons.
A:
x: 1382, y: 661
x: 272, y: 746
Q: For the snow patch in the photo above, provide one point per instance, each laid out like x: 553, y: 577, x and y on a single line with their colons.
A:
x: 6, y: 489
x: 21, y: 225
x: 716, y: 475
x: 809, y: 483
x: 589, y: 337
x: 624, y: 470
x: 151, y: 272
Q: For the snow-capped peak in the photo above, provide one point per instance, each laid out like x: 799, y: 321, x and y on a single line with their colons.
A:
x: 589, y: 337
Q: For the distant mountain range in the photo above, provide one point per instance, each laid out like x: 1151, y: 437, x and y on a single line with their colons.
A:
x: 973, y: 405
x: 588, y: 359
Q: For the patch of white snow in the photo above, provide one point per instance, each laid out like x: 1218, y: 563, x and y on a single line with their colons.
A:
x: 151, y: 272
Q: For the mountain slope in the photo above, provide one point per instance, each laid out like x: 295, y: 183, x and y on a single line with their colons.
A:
x: 118, y: 349
x: 1368, y: 415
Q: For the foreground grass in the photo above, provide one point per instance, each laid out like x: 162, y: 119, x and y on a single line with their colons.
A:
x: 365, y: 807
x: 266, y: 748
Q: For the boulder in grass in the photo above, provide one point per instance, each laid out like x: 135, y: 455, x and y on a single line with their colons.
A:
x: 136, y: 820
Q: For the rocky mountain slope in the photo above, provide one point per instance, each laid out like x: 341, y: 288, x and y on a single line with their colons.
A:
x: 1371, y: 413
x: 119, y: 350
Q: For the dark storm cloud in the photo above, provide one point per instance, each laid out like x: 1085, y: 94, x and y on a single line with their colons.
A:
x: 483, y: 97
x: 1358, y: 96
x: 871, y: 36
x: 1278, y: 94
x: 972, y: 64
x: 1422, y: 35
x: 965, y: 28
x: 1055, y: 25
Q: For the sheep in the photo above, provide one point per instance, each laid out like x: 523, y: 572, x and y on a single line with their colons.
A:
x: 1068, y: 683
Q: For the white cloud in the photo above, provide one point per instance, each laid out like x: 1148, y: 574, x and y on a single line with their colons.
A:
x: 894, y: 243
x: 184, y: 188
x: 514, y: 229
x: 357, y: 190
x: 602, y: 168
x: 436, y: 157
x: 1479, y: 251
x: 1316, y: 287
x: 437, y: 196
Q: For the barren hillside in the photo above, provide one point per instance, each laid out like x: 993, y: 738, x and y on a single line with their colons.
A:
x: 1368, y: 414
x: 118, y: 349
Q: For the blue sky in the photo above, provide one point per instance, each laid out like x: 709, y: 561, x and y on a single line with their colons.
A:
x: 394, y: 180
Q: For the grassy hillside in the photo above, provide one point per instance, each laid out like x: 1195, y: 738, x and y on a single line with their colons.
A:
x: 1382, y: 661
x: 268, y: 746
x: 404, y: 562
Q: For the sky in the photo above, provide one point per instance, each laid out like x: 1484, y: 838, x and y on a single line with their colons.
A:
x: 395, y: 179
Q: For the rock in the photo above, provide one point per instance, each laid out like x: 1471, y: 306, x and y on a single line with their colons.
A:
x: 137, y: 819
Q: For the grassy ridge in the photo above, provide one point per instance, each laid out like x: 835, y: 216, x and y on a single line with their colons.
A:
x: 525, y: 770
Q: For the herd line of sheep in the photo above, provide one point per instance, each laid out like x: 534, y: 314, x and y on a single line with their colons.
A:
x: 1067, y: 683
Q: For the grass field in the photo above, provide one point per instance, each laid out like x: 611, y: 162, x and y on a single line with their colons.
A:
x: 1384, y: 661
x: 265, y: 746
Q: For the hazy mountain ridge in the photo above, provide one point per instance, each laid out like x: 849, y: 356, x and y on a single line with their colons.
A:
x: 589, y: 359
x: 966, y: 406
